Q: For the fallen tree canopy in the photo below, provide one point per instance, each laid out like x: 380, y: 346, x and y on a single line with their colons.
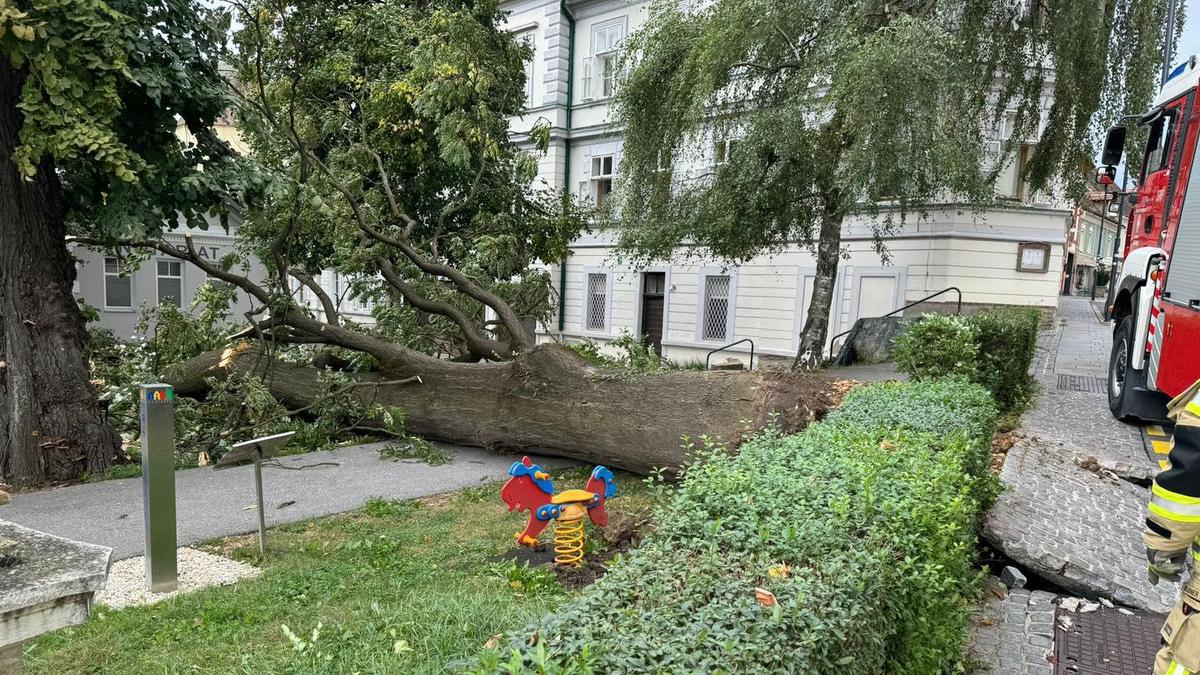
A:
x: 547, y: 400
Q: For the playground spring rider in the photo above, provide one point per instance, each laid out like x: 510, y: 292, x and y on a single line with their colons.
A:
x: 530, y: 489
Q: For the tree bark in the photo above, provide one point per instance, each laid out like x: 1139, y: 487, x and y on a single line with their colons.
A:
x: 51, y: 426
x: 816, y: 323
x: 549, y: 401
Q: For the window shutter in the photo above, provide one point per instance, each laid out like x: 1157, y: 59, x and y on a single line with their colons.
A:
x: 587, y: 79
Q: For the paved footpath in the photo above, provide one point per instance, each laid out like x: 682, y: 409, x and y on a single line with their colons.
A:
x: 214, y: 503
x: 1064, y: 514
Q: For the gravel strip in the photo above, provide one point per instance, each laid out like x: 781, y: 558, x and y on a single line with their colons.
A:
x: 197, y: 570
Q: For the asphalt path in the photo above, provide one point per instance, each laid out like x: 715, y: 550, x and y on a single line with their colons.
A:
x: 214, y: 503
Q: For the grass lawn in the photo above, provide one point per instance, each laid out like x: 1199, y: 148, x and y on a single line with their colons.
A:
x: 397, y: 587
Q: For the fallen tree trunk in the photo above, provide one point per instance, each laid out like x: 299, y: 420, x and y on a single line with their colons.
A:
x: 548, y: 400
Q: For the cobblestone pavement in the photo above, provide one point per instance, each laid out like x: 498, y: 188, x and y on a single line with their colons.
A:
x: 1073, y: 352
x: 1076, y: 526
x: 1064, y: 514
x: 1013, y: 633
x: 1077, y: 529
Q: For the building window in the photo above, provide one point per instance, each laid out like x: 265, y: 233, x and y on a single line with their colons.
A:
x: 1033, y: 257
x: 527, y: 39
x: 602, y: 178
x: 359, y: 302
x: 596, y: 306
x: 723, y: 151
x: 716, y: 308
x: 300, y: 292
x: 170, y: 282
x: 118, y: 289
x: 600, y: 69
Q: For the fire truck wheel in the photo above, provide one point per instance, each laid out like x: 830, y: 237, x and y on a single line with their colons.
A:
x: 1118, y: 369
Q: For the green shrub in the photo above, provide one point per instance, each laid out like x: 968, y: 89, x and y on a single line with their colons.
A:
x: 931, y: 406
x: 938, y: 345
x: 862, y: 526
x: 994, y: 348
x: 1007, y: 339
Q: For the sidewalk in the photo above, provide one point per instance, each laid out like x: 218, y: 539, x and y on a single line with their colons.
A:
x: 1064, y: 513
x: 214, y: 504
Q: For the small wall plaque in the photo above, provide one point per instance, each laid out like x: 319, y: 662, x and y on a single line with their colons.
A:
x: 1033, y: 257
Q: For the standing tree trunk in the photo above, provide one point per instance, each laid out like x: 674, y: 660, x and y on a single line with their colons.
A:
x: 51, y: 427
x: 816, y: 323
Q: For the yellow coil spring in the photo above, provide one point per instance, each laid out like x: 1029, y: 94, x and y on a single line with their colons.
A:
x: 568, y: 542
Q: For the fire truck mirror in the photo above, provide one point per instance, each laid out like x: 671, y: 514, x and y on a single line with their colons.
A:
x: 1114, y: 146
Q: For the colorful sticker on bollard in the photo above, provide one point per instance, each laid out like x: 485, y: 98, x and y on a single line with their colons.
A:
x: 160, y: 395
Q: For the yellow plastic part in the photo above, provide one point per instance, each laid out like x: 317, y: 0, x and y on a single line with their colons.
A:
x: 572, y: 496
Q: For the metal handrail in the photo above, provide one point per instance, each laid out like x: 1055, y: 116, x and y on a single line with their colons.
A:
x: 708, y: 359
x: 957, y: 310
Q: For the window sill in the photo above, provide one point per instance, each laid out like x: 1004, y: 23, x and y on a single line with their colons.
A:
x: 123, y: 310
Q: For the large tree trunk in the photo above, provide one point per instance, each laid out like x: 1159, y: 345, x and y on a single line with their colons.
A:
x: 548, y: 400
x: 816, y: 323
x: 51, y: 426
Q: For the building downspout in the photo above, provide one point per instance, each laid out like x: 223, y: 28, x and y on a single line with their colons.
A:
x: 562, y: 266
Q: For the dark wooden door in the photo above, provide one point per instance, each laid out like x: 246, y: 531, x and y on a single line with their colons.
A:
x: 653, y: 298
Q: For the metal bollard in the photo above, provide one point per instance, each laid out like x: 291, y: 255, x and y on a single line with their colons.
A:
x: 158, y: 486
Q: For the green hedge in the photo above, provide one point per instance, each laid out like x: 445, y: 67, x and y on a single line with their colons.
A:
x: 1007, y: 339
x: 938, y: 345
x: 994, y: 348
x: 874, y: 512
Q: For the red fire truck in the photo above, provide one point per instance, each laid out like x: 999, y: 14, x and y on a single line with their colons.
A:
x: 1155, y: 303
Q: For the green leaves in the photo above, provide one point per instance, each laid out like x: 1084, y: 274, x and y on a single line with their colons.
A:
x: 857, y: 106
x: 106, y: 84
x: 862, y: 528
x: 407, y: 107
x: 994, y: 347
x: 939, y: 345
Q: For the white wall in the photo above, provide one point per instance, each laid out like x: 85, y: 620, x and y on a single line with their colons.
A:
x: 976, y: 253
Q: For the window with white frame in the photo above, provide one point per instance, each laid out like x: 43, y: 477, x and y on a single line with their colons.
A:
x: 723, y: 151
x: 596, y: 305
x: 170, y: 282
x: 716, y: 309
x: 601, y: 178
x: 527, y: 39
x: 359, y: 302
x: 118, y: 289
x: 600, y: 69
x: 300, y: 292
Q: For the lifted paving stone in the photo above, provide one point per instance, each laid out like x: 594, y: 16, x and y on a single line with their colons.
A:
x: 1074, y: 527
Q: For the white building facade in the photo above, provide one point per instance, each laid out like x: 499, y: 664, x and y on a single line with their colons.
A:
x: 1007, y: 255
x: 120, y: 290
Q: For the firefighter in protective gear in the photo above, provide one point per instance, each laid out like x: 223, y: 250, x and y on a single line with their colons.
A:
x: 1173, y: 533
